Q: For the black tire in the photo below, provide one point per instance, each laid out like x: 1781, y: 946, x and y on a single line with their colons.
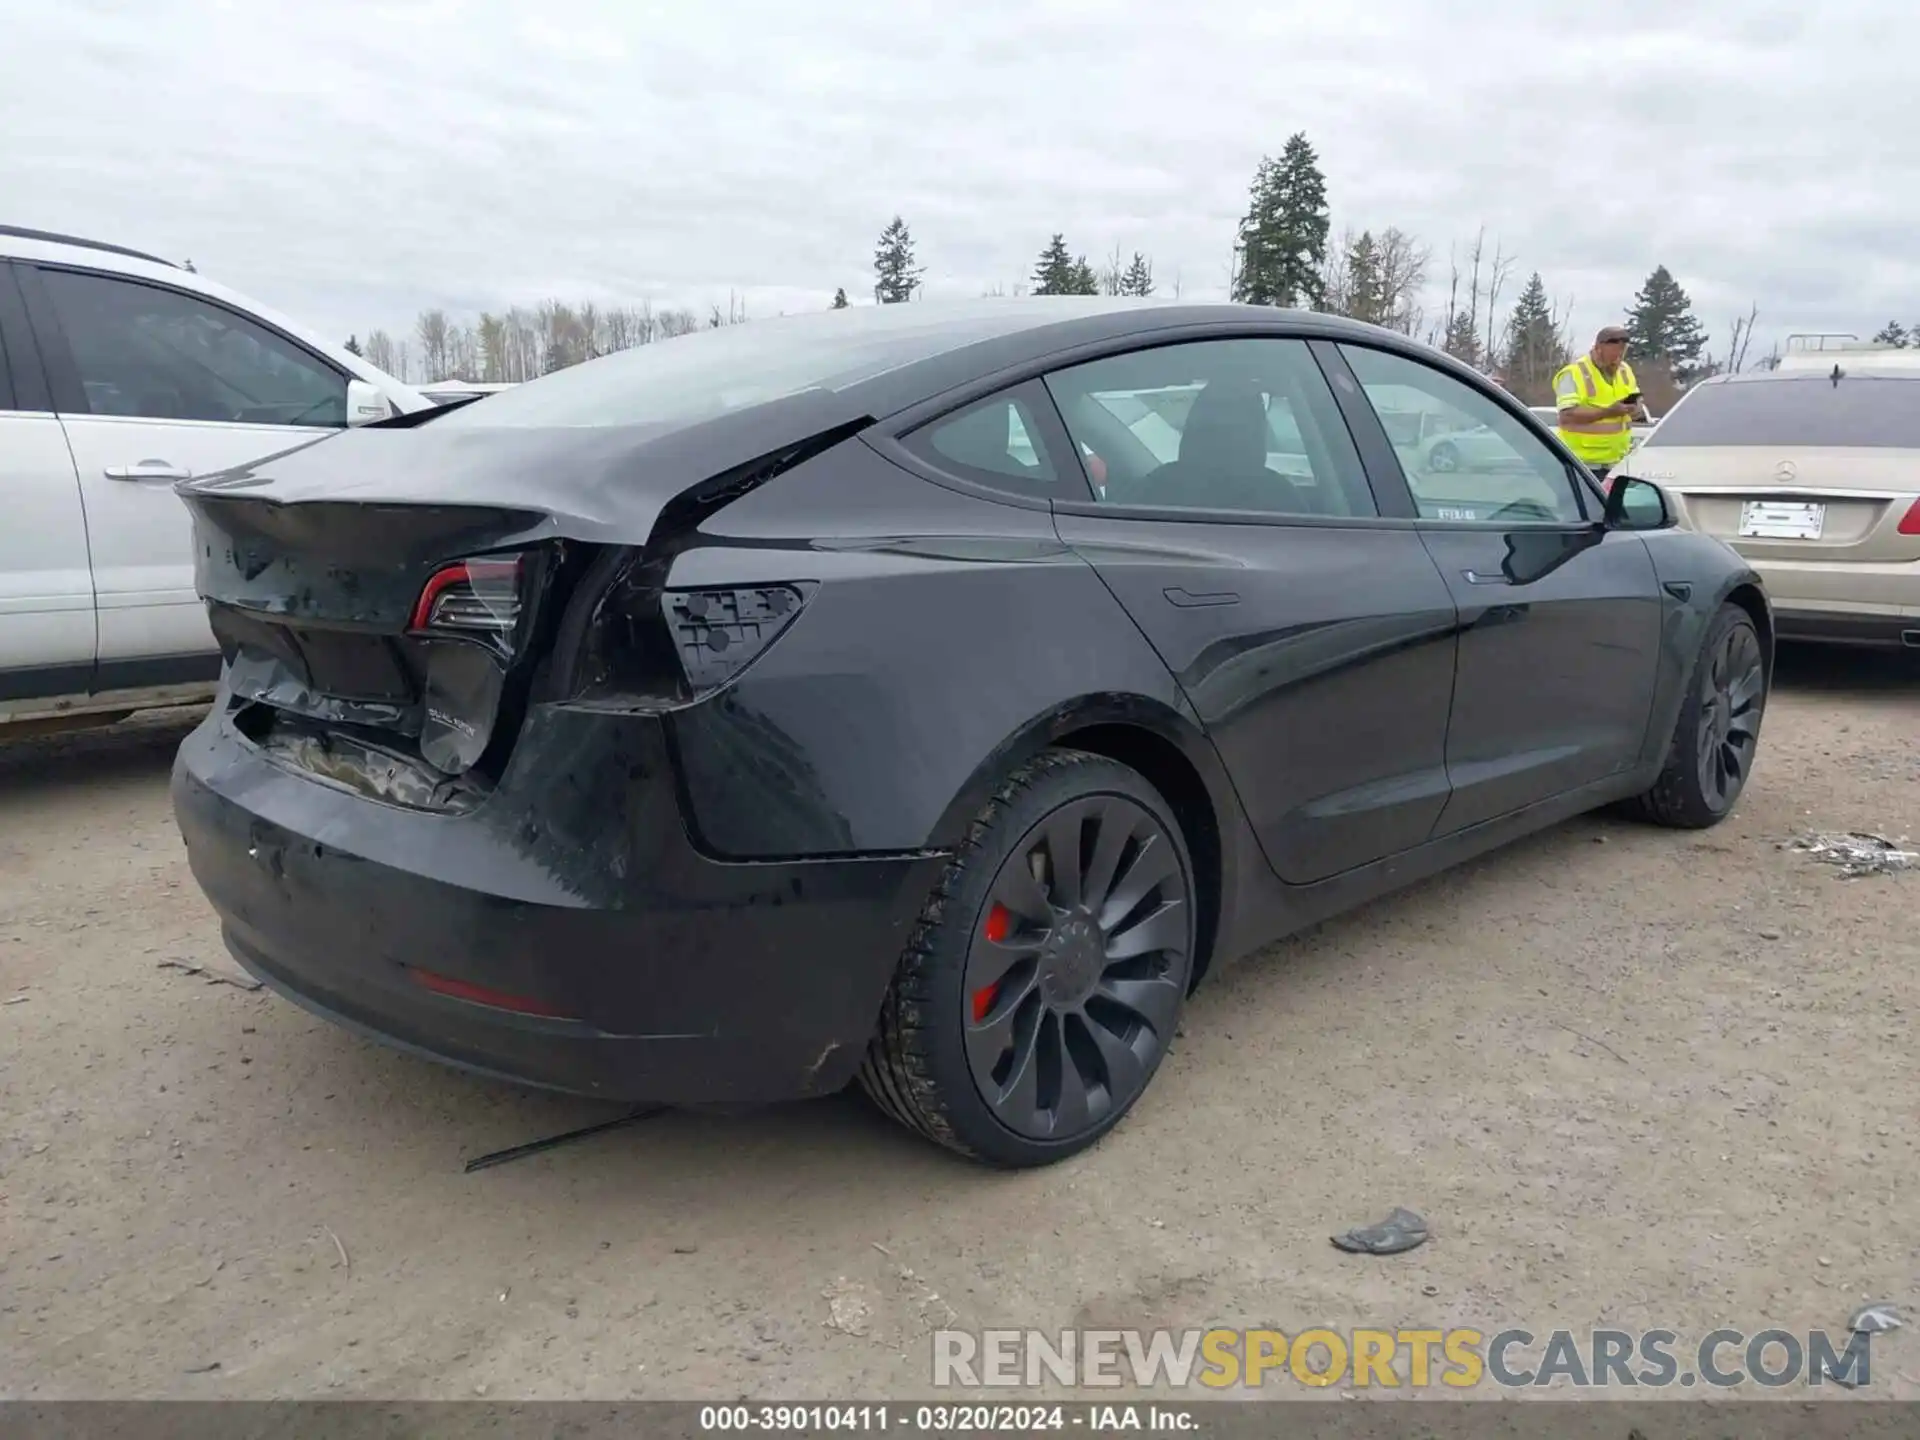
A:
x: 923, y: 1064
x: 1725, y: 701
x: 1444, y: 458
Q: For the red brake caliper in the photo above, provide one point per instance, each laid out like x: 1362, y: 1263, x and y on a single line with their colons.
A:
x: 998, y: 926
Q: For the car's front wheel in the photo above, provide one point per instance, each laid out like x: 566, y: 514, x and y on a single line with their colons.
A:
x: 1718, y: 732
x: 1043, y: 983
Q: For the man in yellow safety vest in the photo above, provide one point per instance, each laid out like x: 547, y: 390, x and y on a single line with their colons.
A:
x: 1598, y: 400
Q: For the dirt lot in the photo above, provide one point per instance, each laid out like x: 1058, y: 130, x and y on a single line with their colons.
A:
x: 1632, y: 1078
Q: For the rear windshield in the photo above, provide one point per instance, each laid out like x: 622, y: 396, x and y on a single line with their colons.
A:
x: 1870, y: 412
x: 694, y: 377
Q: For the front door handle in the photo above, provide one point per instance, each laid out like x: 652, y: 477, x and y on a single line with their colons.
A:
x: 1474, y: 577
x: 148, y: 470
x: 1186, y: 599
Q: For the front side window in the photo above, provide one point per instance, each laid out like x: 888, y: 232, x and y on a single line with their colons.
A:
x: 1464, y: 455
x: 1240, y: 425
x: 161, y: 355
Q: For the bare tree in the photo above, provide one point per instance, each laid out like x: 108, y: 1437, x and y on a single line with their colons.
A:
x: 1403, y: 275
x: 432, y: 330
x: 1742, y: 338
x: 1113, y: 272
x: 1498, y: 271
x: 380, y: 353
x: 677, y: 322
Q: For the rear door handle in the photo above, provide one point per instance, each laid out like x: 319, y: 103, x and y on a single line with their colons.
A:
x: 148, y: 470
x: 1474, y: 577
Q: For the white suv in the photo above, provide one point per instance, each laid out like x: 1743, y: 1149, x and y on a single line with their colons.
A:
x: 121, y: 374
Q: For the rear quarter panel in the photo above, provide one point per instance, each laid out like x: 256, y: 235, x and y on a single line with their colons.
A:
x: 949, y: 637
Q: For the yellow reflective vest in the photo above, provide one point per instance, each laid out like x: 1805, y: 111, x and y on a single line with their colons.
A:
x: 1597, y: 442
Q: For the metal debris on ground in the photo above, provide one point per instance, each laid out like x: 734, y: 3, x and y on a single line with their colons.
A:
x: 1875, y: 1319
x: 1858, y: 853
x: 213, y: 974
x: 848, y: 1308
x: 1402, y: 1230
x: 535, y: 1147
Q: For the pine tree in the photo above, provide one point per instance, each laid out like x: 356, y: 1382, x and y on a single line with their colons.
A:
x: 1662, y: 328
x: 1085, y: 281
x: 1364, y: 282
x: 1462, y: 340
x: 840, y: 298
x: 1283, y: 237
x: 1534, y: 351
x: 1894, y: 334
x: 352, y: 346
x: 1054, y: 273
x: 896, y: 276
x: 1138, y: 279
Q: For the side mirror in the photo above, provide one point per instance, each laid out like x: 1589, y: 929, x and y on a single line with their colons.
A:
x: 367, y: 403
x: 1635, y: 504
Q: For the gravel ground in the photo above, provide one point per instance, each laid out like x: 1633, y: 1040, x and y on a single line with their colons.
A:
x: 1632, y: 1078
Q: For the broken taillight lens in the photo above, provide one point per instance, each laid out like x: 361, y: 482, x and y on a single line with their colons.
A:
x: 717, y: 633
x: 480, y: 598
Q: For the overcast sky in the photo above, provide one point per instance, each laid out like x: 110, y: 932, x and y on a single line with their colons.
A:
x: 353, y: 161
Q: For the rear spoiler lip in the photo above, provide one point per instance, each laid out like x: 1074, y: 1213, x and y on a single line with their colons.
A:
x: 599, y: 485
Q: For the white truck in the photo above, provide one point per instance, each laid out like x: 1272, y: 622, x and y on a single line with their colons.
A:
x: 120, y: 375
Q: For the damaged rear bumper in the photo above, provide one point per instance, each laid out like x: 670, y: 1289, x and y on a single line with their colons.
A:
x: 568, y: 934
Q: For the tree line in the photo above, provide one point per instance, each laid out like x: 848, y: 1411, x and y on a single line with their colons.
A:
x: 1284, y: 253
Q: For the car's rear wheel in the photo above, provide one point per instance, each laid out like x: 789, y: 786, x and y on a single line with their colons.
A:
x: 1042, y: 986
x: 1444, y: 458
x: 1718, y: 733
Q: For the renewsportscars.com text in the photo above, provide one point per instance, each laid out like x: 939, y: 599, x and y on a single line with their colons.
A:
x: 1402, y: 1358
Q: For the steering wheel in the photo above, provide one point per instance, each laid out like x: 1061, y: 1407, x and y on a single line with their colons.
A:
x: 1523, y: 510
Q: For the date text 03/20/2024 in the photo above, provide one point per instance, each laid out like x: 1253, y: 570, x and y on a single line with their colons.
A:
x: 939, y: 1419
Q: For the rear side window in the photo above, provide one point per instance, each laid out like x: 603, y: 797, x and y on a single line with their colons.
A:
x: 157, y: 354
x: 1861, y: 412
x: 996, y: 442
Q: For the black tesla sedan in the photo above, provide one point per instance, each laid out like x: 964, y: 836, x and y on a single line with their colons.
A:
x: 929, y: 695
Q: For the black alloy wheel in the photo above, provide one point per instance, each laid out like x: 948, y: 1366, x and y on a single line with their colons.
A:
x: 1717, y: 736
x: 1044, y: 986
x: 1732, y: 683
x: 1078, y: 967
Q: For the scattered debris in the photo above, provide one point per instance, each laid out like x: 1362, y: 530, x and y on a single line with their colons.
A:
x: 1402, y: 1230
x: 848, y: 1309
x: 686, y: 1249
x: 16, y: 1000
x: 203, y: 1369
x: 882, y: 1249
x: 1769, y: 934
x: 1857, y: 853
x: 535, y: 1147
x: 1875, y: 1319
x: 345, y: 1263
x: 214, y: 974
x: 1591, y: 1041
x: 1429, y: 1290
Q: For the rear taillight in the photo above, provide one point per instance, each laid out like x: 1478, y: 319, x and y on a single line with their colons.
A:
x: 1910, y: 522
x: 481, y: 598
x: 717, y: 633
x: 656, y: 647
